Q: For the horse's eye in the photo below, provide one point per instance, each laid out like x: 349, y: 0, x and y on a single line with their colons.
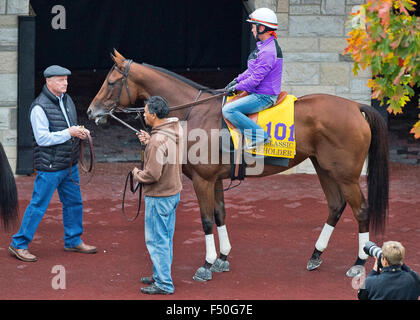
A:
x: 111, y: 83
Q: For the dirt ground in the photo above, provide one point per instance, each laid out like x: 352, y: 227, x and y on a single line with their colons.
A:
x: 273, y: 224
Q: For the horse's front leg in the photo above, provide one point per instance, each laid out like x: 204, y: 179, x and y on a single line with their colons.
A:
x: 221, y: 264
x: 204, y: 190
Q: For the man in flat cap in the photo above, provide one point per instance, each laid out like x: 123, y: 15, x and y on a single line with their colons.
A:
x: 54, y: 124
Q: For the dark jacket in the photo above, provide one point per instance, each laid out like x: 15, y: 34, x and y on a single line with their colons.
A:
x: 393, y: 283
x: 56, y: 157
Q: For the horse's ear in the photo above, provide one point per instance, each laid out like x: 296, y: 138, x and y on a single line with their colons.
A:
x: 117, y: 58
x: 114, y: 58
x: 115, y: 52
x: 118, y: 55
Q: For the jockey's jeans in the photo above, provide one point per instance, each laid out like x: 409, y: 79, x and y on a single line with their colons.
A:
x: 159, y: 231
x: 69, y: 193
x: 237, y: 110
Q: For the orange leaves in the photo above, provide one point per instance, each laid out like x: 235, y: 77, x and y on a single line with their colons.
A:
x: 384, y: 11
x: 386, y: 38
x: 416, y: 129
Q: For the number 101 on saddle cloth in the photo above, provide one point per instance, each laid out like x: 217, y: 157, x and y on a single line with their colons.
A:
x: 277, y: 121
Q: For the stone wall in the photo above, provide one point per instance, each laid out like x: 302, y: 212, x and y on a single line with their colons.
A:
x: 312, y: 35
x: 9, y: 12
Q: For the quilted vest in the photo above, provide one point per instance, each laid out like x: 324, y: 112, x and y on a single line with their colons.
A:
x: 55, y: 157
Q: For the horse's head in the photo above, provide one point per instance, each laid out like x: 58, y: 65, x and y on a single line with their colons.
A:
x: 117, y: 91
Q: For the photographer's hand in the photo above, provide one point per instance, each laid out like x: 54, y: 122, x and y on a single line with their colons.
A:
x: 375, y: 266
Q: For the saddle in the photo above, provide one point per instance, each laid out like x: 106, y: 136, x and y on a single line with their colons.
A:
x: 253, y: 116
x: 265, y: 118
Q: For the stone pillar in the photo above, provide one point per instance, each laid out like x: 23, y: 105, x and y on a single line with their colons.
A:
x: 312, y: 35
x: 9, y: 11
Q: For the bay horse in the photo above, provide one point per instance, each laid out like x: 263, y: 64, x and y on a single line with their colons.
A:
x: 8, y: 193
x: 336, y: 134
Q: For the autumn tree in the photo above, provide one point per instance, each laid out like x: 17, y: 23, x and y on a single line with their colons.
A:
x: 386, y: 37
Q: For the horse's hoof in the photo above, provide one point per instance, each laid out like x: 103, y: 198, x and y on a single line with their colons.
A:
x: 203, y: 274
x: 355, y: 271
x: 313, y: 264
x: 220, y: 266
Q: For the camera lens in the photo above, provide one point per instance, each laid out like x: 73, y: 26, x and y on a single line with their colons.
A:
x: 372, y: 249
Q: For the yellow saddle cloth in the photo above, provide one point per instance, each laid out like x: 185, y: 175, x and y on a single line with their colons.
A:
x: 278, y: 122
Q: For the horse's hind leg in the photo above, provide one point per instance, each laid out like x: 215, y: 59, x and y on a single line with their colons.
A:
x: 357, y: 202
x: 205, y: 194
x: 336, y: 206
x: 221, y: 264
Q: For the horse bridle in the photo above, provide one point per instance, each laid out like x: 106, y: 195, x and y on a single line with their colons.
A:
x: 129, y: 179
x: 124, y: 82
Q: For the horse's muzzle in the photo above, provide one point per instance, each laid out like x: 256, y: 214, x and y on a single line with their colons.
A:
x: 90, y: 114
x: 100, y: 117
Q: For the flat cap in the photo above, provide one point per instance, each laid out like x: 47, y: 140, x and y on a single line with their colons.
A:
x: 55, y: 70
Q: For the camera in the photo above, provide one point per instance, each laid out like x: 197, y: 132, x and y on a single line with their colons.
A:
x: 373, y: 250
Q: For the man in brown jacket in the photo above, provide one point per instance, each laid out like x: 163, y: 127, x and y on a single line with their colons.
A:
x: 162, y: 186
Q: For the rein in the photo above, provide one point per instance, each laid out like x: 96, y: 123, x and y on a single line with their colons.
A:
x: 81, y: 159
x: 179, y: 107
x: 130, y: 179
x: 133, y: 190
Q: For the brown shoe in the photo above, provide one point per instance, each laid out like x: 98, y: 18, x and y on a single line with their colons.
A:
x: 22, y: 254
x: 82, y: 248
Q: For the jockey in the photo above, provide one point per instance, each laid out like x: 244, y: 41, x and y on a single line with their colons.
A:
x: 262, y: 78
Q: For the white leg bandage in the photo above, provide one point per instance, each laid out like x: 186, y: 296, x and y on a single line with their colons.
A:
x: 363, y: 238
x: 324, y: 237
x: 211, y: 254
x: 223, y: 240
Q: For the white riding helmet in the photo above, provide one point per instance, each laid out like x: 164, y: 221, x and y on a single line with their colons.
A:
x: 265, y: 17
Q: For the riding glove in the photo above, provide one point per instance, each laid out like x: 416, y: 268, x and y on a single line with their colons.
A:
x: 231, y: 87
x: 232, y: 83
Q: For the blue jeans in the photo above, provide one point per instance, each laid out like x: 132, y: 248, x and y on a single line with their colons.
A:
x: 236, y: 112
x: 45, y: 185
x: 159, y: 228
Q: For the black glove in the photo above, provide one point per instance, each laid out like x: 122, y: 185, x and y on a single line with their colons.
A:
x: 231, y: 90
x: 232, y: 83
x: 231, y: 87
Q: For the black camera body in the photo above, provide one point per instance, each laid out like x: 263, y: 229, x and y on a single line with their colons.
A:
x: 373, y: 250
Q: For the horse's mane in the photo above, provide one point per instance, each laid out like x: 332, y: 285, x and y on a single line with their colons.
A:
x: 183, y: 79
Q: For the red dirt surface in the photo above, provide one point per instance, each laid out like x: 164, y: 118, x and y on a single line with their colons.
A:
x: 273, y: 224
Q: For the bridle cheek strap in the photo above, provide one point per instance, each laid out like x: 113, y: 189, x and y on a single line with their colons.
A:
x: 124, y: 80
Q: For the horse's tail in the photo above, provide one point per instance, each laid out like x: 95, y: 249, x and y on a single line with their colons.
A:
x: 8, y: 192
x: 377, y: 170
